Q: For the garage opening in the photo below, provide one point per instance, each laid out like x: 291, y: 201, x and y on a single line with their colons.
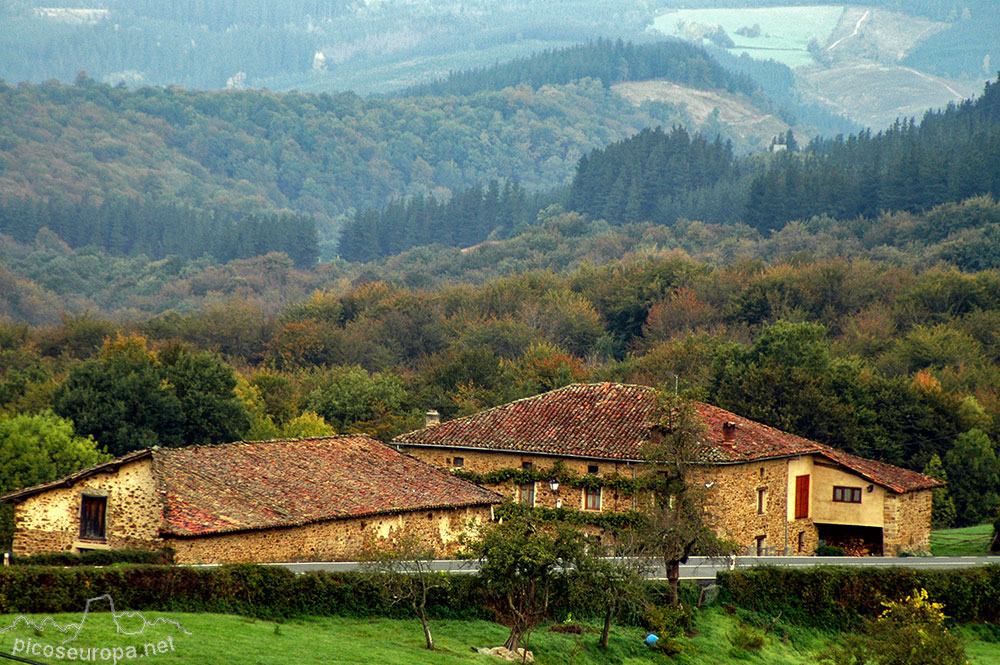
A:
x: 854, y: 540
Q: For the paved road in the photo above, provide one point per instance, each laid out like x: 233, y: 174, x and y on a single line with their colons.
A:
x: 701, y: 568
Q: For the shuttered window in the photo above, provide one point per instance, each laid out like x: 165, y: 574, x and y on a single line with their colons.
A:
x: 93, y: 510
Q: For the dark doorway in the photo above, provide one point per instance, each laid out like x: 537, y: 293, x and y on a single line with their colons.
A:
x: 854, y: 540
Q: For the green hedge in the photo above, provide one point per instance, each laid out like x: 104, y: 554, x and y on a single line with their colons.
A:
x: 251, y: 590
x: 840, y: 598
x: 96, y: 558
x: 269, y: 592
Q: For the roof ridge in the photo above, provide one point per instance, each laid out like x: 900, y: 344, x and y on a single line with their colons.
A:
x: 529, y: 398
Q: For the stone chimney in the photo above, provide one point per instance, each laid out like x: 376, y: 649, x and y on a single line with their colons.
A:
x: 728, y: 432
x: 432, y: 418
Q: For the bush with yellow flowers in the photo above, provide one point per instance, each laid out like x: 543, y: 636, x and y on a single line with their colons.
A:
x: 907, y: 632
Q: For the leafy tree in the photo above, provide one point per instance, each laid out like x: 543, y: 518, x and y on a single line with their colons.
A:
x: 37, y: 448
x: 675, y: 525
x: 128, y: 398
x: 352, y: 400
x: 309, y: 425
x: 121, y: 399
x: 974, y: 473
x: 613, y: 583
x: 521, y: 561
x: 404, y: 573
x: 943, y: 511
x: 204, y: 387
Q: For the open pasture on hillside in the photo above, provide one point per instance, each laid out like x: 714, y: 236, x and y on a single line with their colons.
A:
x: 785, y: 32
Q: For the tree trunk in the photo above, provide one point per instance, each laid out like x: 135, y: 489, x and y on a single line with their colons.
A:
x: 427, y: 630
x: 514, y: 639
x: 674, y: 580
x: 603, y: 643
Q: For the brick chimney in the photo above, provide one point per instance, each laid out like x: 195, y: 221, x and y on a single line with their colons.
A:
x: 728, y: 432
x: 432, y: 418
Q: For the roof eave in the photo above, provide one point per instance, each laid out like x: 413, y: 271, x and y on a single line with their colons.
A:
x: 73, y: 478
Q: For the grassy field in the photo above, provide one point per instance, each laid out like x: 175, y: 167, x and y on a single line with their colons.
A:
x: 218, y: 639
x: 969, y: 541
x: 785, y: 31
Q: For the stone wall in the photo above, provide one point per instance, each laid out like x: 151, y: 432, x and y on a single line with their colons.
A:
x: 731, y: 500
x: 335, y: 540
x: 733, y: 505
x: 565, y: 497
x: 907, y: 522
x: 50, y: 521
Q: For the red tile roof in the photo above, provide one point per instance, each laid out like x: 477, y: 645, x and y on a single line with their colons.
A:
x: 243, y: 486
x: 612, y: 421
x: 249, y: 486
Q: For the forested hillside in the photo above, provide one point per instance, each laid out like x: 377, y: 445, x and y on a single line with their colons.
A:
x: 949, y: 156
x: 891, y: 362
x: 129, y: 227
x: 468, y: 218
x: 611, y: 62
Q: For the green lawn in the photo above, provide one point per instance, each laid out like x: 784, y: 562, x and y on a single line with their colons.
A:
x: 222, y: 639
x: 969, y: 541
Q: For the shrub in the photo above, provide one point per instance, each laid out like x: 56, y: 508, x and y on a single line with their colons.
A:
x: 829, y: 550
x: 746, y: 638
x: 842, y: 598
x: 669, y: 620
x: 908, y: 632
x: 96, y: 558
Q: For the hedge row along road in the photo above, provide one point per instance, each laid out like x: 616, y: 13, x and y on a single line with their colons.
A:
x: 703, y: 568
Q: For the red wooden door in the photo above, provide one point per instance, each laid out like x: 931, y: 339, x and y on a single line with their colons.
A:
x: 801, y: 497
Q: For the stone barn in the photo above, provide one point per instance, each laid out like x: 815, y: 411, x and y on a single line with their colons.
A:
x: 288, y: 500
x: 770, y: 491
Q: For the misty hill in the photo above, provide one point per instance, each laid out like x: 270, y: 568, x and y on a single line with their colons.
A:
x: 239, y: 152
x: 611, y: 62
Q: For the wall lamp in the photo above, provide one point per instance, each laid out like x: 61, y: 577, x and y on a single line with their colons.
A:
x: 554, y: 485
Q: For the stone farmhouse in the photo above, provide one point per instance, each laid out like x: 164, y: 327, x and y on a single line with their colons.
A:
x: 290, y: 500
x: 770, y: 491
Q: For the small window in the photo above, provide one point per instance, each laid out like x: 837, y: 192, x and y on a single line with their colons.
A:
x: 761, y: 544
x: 93, y: 510
x: 847, y: 494
x: 761, y: 500
x: 592, y: 499
x: 526, y: 494
x: 458, y: 461
x: 527, y: 465
x: 592, y: 469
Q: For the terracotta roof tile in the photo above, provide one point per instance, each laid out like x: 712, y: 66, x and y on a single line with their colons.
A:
x: 611, y: 421
x: 244, y: 486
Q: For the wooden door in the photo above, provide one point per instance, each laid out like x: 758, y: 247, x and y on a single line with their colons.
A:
x: 801, y: 497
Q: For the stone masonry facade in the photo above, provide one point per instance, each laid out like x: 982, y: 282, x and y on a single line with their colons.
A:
x: 336, y: 540
x: 751, y: 504
x: 50, y: 521
x: 907, y: 522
